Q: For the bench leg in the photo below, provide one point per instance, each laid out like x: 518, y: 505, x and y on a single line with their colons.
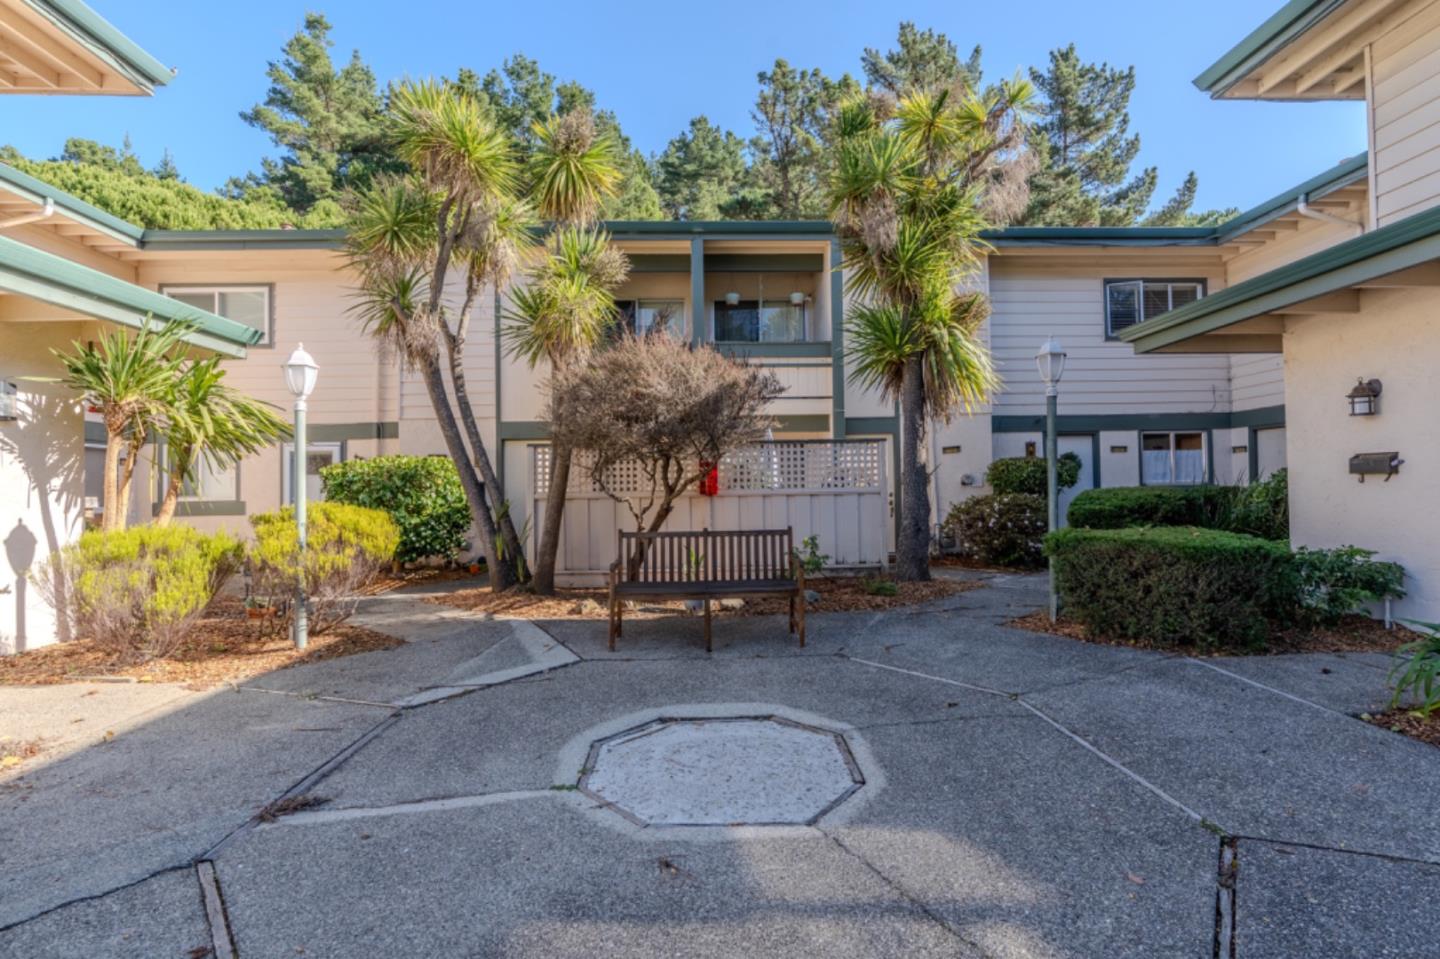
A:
x: 800, y: 606
x: 708, y: 647
x: 792, y: 615
x: 615, y: 611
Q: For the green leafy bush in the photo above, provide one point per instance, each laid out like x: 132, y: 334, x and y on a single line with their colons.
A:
x: 1117, y: 507
x: 346, y: 546
x: 1333, y: 582
x: 1418, y: 670
x: 1006, y: 529
x: 1026, y: 474
x: 137, y: 592
x: 1260, y: 509
x: 1173, y: 585
x: 422, y: 494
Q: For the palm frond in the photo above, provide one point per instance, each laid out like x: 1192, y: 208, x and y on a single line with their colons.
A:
x: 574, y: 169
x: 451, y: 141
x: 879, y: 342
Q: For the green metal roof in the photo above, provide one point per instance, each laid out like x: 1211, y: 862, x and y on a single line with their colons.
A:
x: 1342, y: 174
x: 37, y: 191
x: 1283, y: 26
x: 43, y: 276
x: 1410, y: 242
x: 241, y: 239
x: 106, y: 42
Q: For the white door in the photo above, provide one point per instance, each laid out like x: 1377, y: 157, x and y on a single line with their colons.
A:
x: 1269, y: 451
x: 1082, y: 446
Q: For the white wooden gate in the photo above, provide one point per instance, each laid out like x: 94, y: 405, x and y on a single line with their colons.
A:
x: 834, y: 490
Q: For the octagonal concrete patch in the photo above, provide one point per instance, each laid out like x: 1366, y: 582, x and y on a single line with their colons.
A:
x: 731, y: 771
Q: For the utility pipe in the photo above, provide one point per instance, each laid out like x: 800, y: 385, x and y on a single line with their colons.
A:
x: 1304, y: 208
x: 44, y: 213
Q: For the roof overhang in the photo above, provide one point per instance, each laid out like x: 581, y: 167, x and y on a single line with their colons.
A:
x: 1307, y: 50
x: 1249, y: 317
x: 64, y: 47
x: 58, y: 282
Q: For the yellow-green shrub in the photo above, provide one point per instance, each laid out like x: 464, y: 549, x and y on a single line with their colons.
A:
x: 138, y: 591
x: 346, y: 546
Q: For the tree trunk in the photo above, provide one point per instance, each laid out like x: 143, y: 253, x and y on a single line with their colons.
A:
x: 501, y: 576
x: 560, y: 459
x: 912, y: 547
x: 127, y: 477
x: 172, y: 497
x: 110, y: 488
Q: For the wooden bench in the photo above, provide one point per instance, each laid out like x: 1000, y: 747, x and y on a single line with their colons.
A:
x: 707, y: 565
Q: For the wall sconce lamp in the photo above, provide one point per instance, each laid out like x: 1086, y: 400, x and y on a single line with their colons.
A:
x: 732, y: 299
x: 9, y: 405
x: 1364, y: 398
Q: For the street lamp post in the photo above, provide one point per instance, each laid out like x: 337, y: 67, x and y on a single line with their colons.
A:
x: 301, y: 372
x: 1051, y: 362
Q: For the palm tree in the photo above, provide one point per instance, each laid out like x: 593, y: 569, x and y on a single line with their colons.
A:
x: 209, y: 425
x: 909, y: 190
x: 129, y: 379
x: 406, y: 236
x: 568, y: 302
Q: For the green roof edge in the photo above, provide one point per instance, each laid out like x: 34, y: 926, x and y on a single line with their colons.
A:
x: 40, y: 190
x: 1341, y: 174
x: 1279, y: 28
x: 145, y: 69
x: 1412, y: 229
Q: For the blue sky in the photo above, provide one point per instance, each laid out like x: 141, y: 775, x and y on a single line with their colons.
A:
x: 658, y: 64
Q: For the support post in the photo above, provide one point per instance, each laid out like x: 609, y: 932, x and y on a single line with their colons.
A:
x: 302, y: 622
x: 1052, y: 490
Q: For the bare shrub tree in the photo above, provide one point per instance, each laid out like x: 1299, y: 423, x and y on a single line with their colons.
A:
x: 658, y: 410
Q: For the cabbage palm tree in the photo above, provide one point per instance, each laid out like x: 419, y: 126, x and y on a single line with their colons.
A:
x: 412, y: 240
x: 909, y: 188
x: 568, y: 302
x: 209, y: 425
x: 129, y: 379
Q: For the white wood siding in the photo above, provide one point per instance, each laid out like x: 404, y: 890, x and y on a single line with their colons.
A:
x: 1405, y: 113
x: 1257, y: 380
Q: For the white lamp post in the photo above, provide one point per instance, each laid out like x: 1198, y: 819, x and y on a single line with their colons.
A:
x: 301, y: 371
x: 1051, y: 362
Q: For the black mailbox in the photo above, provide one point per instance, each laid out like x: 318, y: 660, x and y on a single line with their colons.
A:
x: 1375, y: 464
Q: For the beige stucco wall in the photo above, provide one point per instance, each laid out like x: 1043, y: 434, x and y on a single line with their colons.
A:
x: 41, y: 475
x: 1396, y: 339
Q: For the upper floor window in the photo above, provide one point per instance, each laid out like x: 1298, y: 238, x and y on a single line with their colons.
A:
x: 760, y: 321
x: 1128, y: 302
x: 643, y: 317
x: 243, y: 304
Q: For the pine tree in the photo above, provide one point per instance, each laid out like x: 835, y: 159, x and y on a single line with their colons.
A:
x: 166, y: 168
x: 328, y: 122
x: 925, y: 60
x: 702, y: 175
x: 1085, y: 150
x: 792, y: 116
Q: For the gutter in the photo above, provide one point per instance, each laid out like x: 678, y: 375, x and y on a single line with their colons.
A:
x: 46, y: 211
x: 1303, y: 208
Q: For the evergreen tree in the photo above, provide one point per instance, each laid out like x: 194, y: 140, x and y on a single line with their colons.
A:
x: 327, y: 121
x: 166, y: 168
x: 702, y: 175
x: 792, y: 115
x: 924, y: 60
x: 1085, y: 150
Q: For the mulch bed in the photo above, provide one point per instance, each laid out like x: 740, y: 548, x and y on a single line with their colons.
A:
x: 225, y: 646
x: 1407, y: 722
x: 1353, y: 634
x: 837, y: 594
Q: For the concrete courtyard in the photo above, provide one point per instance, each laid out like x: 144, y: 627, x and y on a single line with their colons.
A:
x: 924, y: 782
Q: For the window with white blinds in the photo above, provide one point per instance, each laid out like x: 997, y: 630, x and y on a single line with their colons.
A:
x: 1128, y: 302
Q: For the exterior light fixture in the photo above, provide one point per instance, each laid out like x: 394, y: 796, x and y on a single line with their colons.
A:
x: 1364, y: 398
x: 301, y: 372
x: 9, y: 403
x: 1050, y: 360
x: 797, y: 298
x: 732, y: 299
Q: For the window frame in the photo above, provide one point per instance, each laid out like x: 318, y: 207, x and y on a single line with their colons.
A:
x: 1206, y: 474
x: 760, y: 304
x: 1105, y: 284
x: 287, y: 464
x: 267, y: 342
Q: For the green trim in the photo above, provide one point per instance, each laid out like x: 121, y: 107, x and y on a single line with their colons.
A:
x: 181, y: 240
x: 1263, y: 42
x: 1252, y: 455
x: 56, y: 280
x: 499, y: 389
x: 731, y: 229
x: 1101, y: 236
x: 106, y: 42
x: 38, y: 191
x: 837, y: 341
x: 1410, y: 242
x: 208, y: 507
x: 1122, y: 422
x: 803, y: 423
x: 697, y: 291
x: 340, y: 432
x: 523, y: 430
x: 764, y: 263
x: 745, y: 348
x: 868, y: 425
x: 659, y: 263
x: 1342, y: 174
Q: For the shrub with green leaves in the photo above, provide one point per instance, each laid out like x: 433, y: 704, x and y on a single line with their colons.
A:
x: 1417, y: 670
x: 422, y: 494
x: 1026, y: 474
x: 1004, y: 529
x: 1260, y: 509
x: 1116, y: 507
x: 1173, y: 585
x: 137, y: 592
x: 346, y: 546
x: 1333, y: 582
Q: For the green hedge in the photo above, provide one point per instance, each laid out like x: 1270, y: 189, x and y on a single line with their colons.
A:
x: 1026, y: 474
x: 1116, y: 507
x: 1174, y: 585
x: 422, y: 494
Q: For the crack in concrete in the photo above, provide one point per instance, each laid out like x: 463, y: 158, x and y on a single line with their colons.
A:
x: 94, y: 896
x: 1319, y: 847
x: 1269, y: 689
x: 324, y: 816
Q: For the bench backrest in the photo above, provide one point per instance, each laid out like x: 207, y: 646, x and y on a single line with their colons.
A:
x: 707, y: 556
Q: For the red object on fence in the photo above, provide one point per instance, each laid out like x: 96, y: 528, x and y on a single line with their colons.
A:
x: 710, y: 482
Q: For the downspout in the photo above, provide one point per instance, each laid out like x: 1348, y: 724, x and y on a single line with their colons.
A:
x: 44, y: 213
x: 1305, y: 209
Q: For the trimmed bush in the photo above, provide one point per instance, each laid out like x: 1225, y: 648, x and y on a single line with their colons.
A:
x: 1026, y: 474
x: 1117, y: 507
x: 137, y: 592
x: 1333, y: 582
x: 1000, y: 529
x: 1260, y: 509
x: 422, y: 494
x: 1173, y: 585
x: 346, y: 546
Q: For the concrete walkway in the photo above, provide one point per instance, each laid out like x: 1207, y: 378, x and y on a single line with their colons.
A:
x: 996, y: 793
